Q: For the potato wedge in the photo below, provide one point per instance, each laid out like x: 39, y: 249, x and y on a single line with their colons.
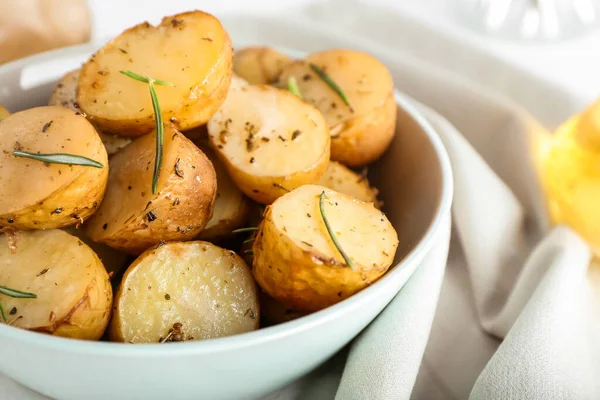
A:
x: 133, y: 219
x: 297, y: 263
x: 206, y: 289
x: 3, y: 112
x: 231, y: 209
x: 259, y: 65
x: 74, y: 295
x: 190, y: 50
x: 341, y: 179
x: 362, y: 130
x: 270, y: 141
x: 37, y: 195
x: 65, y: 95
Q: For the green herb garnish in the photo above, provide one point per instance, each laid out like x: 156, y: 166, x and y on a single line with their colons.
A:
x: 157, y: 118
x: 252, y: 239
x: 277, y: 185
x: 59, y: 158
x: 293, y: 87
x: 249, y: 229
x: 332, y: 234
x: 17, y: 293
x: 2, y: 313
x: 327, y: 79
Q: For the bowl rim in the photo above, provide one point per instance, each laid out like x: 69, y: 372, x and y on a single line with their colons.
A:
x: 235, y: 342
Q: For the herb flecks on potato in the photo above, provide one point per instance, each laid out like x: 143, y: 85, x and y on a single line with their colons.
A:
x: 270, y: 141
x: 342, y: 179
x: 131, y: 218
x: 43, y: 195
x: 206, y: 290
x: 362, y: 121
x: 259, y: 65
x: 296, y: 261
x: 190, y: 50
x: 74, y: 295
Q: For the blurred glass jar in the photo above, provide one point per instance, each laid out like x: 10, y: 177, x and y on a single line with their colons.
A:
x: 538, y: 20
x: 570, y: 169
x: 32, y: 26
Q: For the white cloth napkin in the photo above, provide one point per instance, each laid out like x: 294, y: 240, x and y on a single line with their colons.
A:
x: 517, y: 314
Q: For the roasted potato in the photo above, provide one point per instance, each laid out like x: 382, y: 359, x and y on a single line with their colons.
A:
x: 341, y: 179
x: 65, y: 95
x: 362, y: 130
x: 270, y: 141
x: 74, y: 296
x: 185, y: 291
x: 259, y: 65
x: 3, y: 112
x: 297, y: 263
x: 39, y: 195
x: 192, y: 51
x: 133, y: 219
x: 231, y: 207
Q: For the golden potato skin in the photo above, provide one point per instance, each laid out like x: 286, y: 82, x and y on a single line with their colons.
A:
x: 270, y: 141
x: 131, y: 218
x: 74, y: 295
x: 3, y: 112
x: 190, y: 50
x: 344, y: 180
x: 65, y: 95
x: 259, y: 65
x: 297, y: 264
x: 362, y: 131
x: 207, y: 289
x: 36, y: 195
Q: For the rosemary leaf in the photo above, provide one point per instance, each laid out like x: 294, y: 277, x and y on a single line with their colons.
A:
x: 59, y: 158
x: 249, y: 252
x: 252, y: 239
x: 145, y: 79
x: 249, y: 229
x: 277, y: 185
x: 17, y: 293
x: 332, y: 234
x: 327, y: 79
x: 293, y: 87
x: 2, y: 313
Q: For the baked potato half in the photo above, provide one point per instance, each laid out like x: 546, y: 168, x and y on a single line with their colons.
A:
x: 231, y: 209
x: 270, y: 141
x: 259, y: 64
x: 65, y: 95
x: 185, y: 291
x: 362, y: 129
x: 192, y: 51
x: 40, y: 195
x: 131, y: 218
x: 74, y: 295
x: 342, y: 179
x: 297, y: 263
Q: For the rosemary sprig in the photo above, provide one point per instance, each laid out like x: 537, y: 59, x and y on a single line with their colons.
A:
x: 252, y: 239
x: 249, y: 229
x: 17, y: 293
x: 332, y: 233
x: 327, y: 79
x: 293, y: 87
x: 59, y: 158
x: 157, y: 118
x: 2, y: 313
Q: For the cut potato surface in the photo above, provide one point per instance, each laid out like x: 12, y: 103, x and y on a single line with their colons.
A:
x: 65, y: 95
x: 297, y: 263
x: 362, y: 130
x: 270, y: 141
x: 131, y: 218
x: 231, y: 208
x: 344, y: 180
x: 74, y: 296
x: 259, y: 65
x: 38, y: 195
x: 207, y: 290
x: 190, y: 50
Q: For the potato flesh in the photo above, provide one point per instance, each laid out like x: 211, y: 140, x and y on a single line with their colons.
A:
x: 341, y: 179
x: 191, y: 50
x: 297, y: 263
x: 65, y: 95
x: 259, y: 65
x: 268, y: 136
x: 131, y: 218
x: 209, y: 290
x: 74, y: 295
x: 49, y: 130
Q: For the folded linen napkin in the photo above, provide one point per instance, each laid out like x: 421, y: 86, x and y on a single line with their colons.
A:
x: 508, y: 277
